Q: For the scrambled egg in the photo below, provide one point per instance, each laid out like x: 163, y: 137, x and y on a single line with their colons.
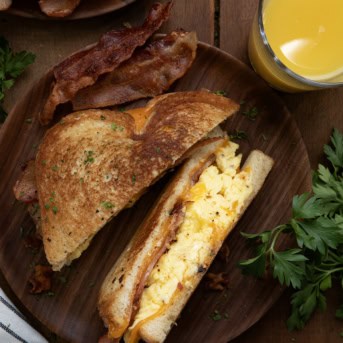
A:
x: 213, y: 205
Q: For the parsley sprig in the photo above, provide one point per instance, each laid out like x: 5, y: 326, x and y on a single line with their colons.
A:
x: 12, y: 66
x: 317, y: 227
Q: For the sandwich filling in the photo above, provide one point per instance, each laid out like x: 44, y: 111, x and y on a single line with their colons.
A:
x: 212, y: 207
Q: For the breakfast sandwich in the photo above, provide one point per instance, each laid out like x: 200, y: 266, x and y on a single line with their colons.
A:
x: 149, y: 285
x: 94, y: 163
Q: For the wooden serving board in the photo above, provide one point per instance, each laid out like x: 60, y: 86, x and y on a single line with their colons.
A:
x: 86, y: 9
x: 71, y: 312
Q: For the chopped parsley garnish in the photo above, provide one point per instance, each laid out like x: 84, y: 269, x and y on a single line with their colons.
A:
x: 102, y: 117
x: 121, y: 109
x: 220, y: 93
x: 89, y: 156
x: 106, y: 204
x: 158, y: 149
x: 133, y: 179
x: 82, y: 180
x: 54, y: 168
x: 216, y: 316
x: 251, y: 113
x: 51, y: 203
x: 63, y: 279
x: 12, y: 65
x: 116, y: 127
x: 44, y: 162
x: 238, y: 134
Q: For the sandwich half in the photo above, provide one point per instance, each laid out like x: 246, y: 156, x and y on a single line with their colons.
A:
x: 94, y: 163
x: 144, y: 293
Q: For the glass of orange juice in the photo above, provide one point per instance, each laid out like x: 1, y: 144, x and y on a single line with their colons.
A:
x: 296, y: 45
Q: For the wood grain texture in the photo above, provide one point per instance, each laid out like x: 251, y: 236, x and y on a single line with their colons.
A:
x: 316, y: 114
x: 86, y: 9
x: 71, y: 313
x: 235, y: 23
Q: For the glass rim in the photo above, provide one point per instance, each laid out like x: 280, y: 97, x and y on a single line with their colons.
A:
x: 280, y: 64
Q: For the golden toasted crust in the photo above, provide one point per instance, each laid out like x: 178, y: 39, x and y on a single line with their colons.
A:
x: 119, y: 290
x: 93, y: 162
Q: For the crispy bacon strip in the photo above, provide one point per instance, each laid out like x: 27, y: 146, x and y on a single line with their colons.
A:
x: 25, y: 189
x: 150, y: 71
x: 217, y: 282
x: 83, y: 68
x: 58, y: 8
x: 40, y: 280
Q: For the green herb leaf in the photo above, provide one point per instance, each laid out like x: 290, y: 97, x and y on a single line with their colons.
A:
x: 335, y: 154
x: 251, y: 113
x: 116, y: 127
x: 263, y: 237
x: 107, y: 204
x: 215, y: 316
x: 238, y: 134
x: 89, y: 157
x: 286, y: 267
x: 220, y: 93
x: 305, y: 207
x: 12, y: 65
x: 255, y: 266
x: 317, y: 227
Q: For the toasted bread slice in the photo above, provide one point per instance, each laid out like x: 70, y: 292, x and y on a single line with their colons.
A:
x: 91, y: 164
x: 121, y: 291
x: 118, y: 293
x: 156, y: 330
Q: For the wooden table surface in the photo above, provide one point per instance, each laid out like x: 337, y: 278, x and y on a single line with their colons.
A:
x: 225, y: 23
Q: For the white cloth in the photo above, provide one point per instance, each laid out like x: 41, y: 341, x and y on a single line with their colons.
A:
x: 13, y: 326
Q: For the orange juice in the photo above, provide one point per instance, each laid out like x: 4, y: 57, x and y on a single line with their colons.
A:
x: 305, y: 36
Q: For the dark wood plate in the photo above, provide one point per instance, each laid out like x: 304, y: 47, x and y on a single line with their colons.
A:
x: 71, y: 313
x: 86, y: 9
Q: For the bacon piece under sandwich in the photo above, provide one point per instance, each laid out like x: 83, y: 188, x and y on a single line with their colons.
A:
x: 25, y: 189
x: 82, y: 69
x: 149, y: 72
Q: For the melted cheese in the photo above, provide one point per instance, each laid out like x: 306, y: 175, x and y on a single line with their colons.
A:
x: 140, y: 116
x: 213, y: 206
